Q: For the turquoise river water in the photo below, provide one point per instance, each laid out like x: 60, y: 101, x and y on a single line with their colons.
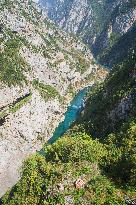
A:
x: 73, y: 111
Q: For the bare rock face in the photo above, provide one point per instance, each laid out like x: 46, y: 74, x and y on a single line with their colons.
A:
x: 42, y: 67
x: 23, y: 133
x: 122, y: 110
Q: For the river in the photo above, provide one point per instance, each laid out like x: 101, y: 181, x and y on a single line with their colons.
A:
x: 73, y: 111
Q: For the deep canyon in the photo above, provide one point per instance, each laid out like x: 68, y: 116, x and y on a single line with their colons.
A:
x: 63, y: 62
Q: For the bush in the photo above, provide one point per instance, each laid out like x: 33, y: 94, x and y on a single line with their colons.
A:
x: 69, y: 159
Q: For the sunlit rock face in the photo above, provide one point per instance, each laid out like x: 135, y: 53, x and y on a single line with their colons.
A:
x: 101, y: 24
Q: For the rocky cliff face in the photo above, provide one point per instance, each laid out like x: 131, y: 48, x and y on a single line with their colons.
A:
x: 42, y: 67
x: 101, y: 24
x: 117, y: 38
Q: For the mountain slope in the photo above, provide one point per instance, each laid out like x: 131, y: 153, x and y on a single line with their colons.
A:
x: 100, y: 24
x: 41, y: 69
x: 98, y: 151
x: 113, y: 103
x: 95, y: 161
x: 51, y: 179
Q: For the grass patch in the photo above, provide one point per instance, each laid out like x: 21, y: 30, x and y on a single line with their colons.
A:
x: 12, y: 64
x: 46, y: 91
x: 20, y: 104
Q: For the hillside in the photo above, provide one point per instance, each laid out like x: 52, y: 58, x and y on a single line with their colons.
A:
x: 98, y: 150
x: 42, y: 68
x: 100, y: 24
x: 112, y: 103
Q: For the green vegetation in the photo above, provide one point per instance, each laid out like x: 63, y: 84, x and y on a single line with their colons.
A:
x: 5, y: 4
x: 64, y: 162
x: 3, y: 114
x: 19, y: 104
x: 131, y: 4
x: 98, y: 149
x: 107, y: 166
x: 114, y: 37
x: 11, y: 63
x: 120, y: 84
x: 46, y: 91
x: 81, y: 64
x: 120, y: 164
x: 29, y: 45
x: 32, y: 15
x: 15, y: 106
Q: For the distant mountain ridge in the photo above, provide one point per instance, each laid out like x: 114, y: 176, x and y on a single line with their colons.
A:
x: 100, y: 24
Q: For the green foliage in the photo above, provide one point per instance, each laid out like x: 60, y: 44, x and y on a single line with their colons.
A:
x: 32, y: 14
x: 82, y: 64
x: 19, y: 104
x: 117, y: 133
x: 104, y: 98
x: 11, y: 63
x: 114, y: 37
x: 5, y: 4
x: 104, y: 192
x: 63, y: 163
x: 3, y: 114
x: 15, y: 106
x: 107, y: 165
x: 128, y: 6
x: 76, y: 155
x: 46, y: 91
x: 121, y: 159
x: 69, y: 149
x: 119, y: 162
